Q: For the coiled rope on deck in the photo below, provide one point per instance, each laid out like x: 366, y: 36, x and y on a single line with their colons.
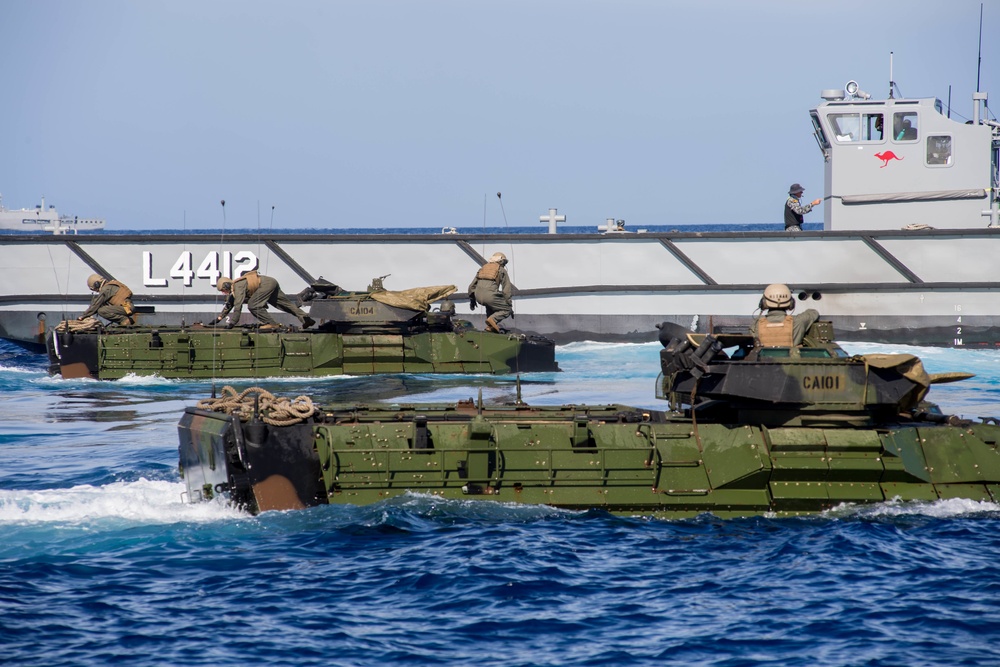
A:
x: 274, y: 410
x: 79, y: 326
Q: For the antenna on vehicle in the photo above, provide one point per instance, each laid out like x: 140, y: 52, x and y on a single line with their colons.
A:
x: 500, y: 199
x: 215, y: 338
x: 510, y: 246
x: 270, y: 230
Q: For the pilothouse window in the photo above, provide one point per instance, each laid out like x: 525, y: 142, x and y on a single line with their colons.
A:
x: 904, y: 126
x: 848, y: 127
x: 873, y: 126
x: 938, y: 150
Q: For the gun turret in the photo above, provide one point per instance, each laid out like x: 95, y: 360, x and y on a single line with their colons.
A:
x: 732, y: 378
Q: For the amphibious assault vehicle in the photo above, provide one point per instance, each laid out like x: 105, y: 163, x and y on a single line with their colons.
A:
x: 360, y: 333
x: 748, y: 431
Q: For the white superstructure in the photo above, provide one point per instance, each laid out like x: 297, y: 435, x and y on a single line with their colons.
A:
x: 44, y: 219
x: 896, y: 163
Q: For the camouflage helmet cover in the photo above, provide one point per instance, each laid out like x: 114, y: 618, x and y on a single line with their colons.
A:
x: 94, y: 281
x: 778, y: 295
x: 498, y: 257
x: 225, y: 285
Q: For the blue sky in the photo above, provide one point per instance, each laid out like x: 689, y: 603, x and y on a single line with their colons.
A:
x: 373, y: 113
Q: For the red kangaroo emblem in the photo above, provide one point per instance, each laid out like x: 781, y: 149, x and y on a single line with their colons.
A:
x: 885, y: 157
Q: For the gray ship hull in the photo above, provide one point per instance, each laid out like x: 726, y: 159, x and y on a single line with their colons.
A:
x: 927, y: 287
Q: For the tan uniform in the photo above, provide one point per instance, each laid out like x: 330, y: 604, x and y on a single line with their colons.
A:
x: 113, y: 302
x: 257, y: 292
x: 491, y: 287
x: 779, y: 329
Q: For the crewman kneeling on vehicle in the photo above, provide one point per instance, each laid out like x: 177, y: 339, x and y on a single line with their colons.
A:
x: 257, y: 291
x: 776, y: 328
x: 491, y: 287
x: 112, y: 301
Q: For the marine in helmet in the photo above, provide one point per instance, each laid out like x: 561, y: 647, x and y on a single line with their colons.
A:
x: 112, y: 301
x: 794, y: 209
x: 491, y: 287
x: 776, y: 328
x: 257, y: 291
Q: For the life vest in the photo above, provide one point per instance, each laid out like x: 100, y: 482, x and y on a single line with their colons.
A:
x: 791, y: 217
x: 776, y: 334
x: 253, y: 281
x: 123, y: 297
x: 489, y: 271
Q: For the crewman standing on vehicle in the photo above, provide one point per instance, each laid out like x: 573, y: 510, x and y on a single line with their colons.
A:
x: 491, y: 287
x: 257, y: 291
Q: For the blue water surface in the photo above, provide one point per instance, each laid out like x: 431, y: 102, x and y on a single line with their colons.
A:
x: 101, y: 561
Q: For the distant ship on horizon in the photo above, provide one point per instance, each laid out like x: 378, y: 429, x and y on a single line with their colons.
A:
x: 44, y: 219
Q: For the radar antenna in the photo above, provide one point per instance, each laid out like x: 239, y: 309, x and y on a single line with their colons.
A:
x: 979, y: 64
x: 892, y: 84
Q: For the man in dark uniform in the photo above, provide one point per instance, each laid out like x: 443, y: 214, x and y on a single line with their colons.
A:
x: 491, y: 287
x: 776, y: 328
x: 112, y: 301
x: 794, y: 210
x: 257, y: 291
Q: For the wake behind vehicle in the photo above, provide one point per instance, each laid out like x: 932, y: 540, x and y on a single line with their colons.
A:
x: 360, y: 333
x: 749, y: 431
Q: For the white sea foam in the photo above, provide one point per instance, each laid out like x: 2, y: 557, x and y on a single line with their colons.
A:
x: 938, y: 509
x: 141, y: 501
x: 597, y: 346
x: 18, y: 369
x: 60, y: 382
x: 134, y: 380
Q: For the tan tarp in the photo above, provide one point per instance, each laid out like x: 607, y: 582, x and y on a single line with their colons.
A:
x: 906, y: 365
x: 418, y: 298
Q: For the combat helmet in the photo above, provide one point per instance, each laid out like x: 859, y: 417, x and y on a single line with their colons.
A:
x: 498, y: 257
x: 225, y: 285
x: 777, y: 295
x: 94, y: 281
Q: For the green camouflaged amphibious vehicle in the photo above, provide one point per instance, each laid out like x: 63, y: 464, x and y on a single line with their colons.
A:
x: 360, y: 333
x: 749, y: 431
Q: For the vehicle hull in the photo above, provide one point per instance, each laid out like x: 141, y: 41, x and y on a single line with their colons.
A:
x: 210, y: 353
x: 615, y: 458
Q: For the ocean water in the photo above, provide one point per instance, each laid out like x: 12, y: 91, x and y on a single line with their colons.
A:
x: 101, y: 562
